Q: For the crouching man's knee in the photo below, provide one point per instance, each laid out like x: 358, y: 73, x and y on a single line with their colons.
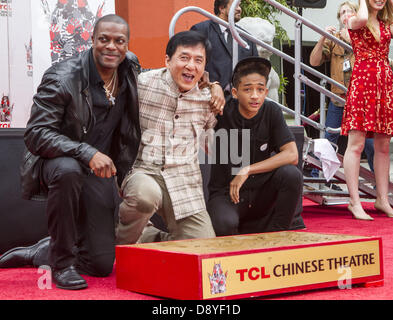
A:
x: 290, y: 176
x: 142, y: 195
x: 138, y: 204
x: 100, y: 266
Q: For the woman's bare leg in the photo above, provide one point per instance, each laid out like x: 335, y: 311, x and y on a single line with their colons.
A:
x: 352, y: 156
x: 381, y: 170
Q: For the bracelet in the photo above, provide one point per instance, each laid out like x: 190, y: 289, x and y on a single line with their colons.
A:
x: 213, y: 83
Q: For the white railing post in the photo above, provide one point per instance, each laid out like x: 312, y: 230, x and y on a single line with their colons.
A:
x: 322, y: 108
x: 298, y: 59
x: 235, y: 34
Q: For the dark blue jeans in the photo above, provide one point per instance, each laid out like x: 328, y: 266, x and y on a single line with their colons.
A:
x: 334, y: 118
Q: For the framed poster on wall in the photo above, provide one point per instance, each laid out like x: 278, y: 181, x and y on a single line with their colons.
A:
x: 63, y: 28
x: 34, y: 35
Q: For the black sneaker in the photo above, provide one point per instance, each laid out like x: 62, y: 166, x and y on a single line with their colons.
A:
x: 333, y: 186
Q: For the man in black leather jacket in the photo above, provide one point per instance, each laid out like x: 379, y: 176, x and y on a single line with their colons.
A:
x: 82, y: 137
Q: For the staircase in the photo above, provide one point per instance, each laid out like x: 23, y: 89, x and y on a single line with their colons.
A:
x: 315, y: 188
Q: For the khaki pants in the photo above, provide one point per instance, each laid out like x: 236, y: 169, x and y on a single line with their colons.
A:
x: 145, y: 194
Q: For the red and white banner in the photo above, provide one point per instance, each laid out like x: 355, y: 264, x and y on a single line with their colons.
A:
x: 5, y: 105
x: 33, y: 35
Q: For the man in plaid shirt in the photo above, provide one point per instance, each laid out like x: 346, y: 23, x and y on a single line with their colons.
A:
x: 165, y: 178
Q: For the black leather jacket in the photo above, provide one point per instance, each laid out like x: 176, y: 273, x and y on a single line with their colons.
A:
x: 61, y: 117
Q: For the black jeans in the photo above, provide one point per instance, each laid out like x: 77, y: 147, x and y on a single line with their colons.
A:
x: 81, y: 218
x: 270, y: 207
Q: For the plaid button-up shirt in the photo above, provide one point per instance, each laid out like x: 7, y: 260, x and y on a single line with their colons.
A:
x: 172, y: 123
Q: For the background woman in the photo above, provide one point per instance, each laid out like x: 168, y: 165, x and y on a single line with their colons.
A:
x: 369, y: 107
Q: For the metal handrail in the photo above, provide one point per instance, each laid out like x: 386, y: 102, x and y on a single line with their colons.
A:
x: 284, y: 56
x: 232, y: 27
x: 308, y: 23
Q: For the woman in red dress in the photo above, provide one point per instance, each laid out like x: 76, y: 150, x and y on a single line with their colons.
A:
x: 369, y: 107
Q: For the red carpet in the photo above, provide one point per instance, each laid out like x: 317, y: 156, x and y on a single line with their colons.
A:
x: 23, y: 284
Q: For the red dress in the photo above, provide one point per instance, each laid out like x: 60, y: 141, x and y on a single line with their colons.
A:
x: 369, y: 105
